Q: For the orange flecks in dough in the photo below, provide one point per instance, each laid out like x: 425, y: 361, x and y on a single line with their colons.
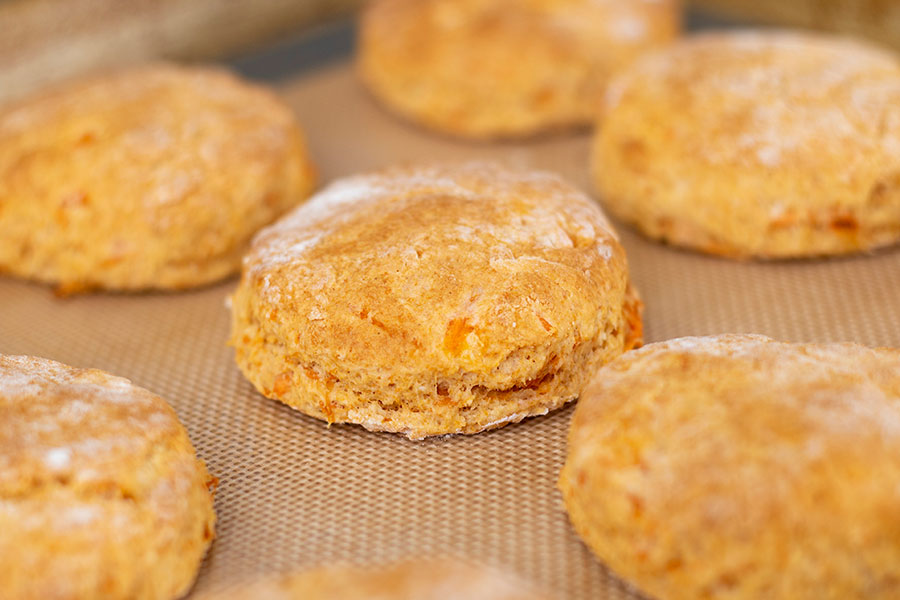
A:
x: 455, y: 337
x: 634, y: 337
x: 330, y: 380
x: 634, y: 153
x: 674, y: 564
x: 86, y: 138
x: 70, y: 288
x: 546, y: 324
x: 282, y: 384
x: 637, y: 505
x: 327, y: 410
x: 845, y: 223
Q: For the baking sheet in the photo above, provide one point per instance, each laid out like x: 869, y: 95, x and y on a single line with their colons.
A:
x: 295, y: 493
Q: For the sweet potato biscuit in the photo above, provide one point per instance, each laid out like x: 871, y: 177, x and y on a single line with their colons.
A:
x: 503, y: 68
x: 101, y: 494
x: 434, y: 299
x: 410, y: 580
x: 156, y: 177
x: 738, y: 467
x: 756, y: 144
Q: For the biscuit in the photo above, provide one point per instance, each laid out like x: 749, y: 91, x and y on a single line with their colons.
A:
x: 504, y: 68
x: 409, y: 580
x: 739, y: 467
x: 101, y: 494
x: 434, y: 299
x: 756, y: 144
x: 151, y: 178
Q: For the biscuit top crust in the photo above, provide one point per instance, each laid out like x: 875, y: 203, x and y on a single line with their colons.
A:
x: 454, y: 267
x: 836, y: 392
x: 766, y: 100
x: 161, y: 131
x: 743, y: 434
x: 142, y: 171
x: 87, y: 439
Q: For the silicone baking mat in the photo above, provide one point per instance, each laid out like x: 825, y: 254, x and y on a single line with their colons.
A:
x: 295, y: 493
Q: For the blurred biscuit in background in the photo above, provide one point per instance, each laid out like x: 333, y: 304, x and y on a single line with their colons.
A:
x: 150, y: 178
x: 765, y: 144
x: 504, y: 68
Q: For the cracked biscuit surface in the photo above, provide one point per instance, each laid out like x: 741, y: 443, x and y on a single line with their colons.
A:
x: 738, y: 467
x: 756, y: 144
x: 101, y: 494
x: 434, y: 299
x: 151, y: 178
x: 504, y: 68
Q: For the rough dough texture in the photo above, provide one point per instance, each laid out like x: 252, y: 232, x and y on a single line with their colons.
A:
x: 434, y: 299
x: 738, y: 467
x: 410, y: 580
x: 101, y: 494
x: 504, y: 68
x: 752, y: 144
x: 156, y: 177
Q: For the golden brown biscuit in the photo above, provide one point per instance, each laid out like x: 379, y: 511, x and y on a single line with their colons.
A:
x: 101, y: 494
x: 410, y: 580
x: 155, y: 177
x: 502, y: 68
x: 753, y: 144
x: 738, y: 467
x: 434, y: 299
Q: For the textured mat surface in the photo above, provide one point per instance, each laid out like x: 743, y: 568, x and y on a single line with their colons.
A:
x: 294, y: 493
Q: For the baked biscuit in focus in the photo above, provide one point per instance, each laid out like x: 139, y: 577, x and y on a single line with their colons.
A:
x: 504, y: 68
x: 429, y: 300
x: 756, y: 144
x: 150, y: 178
x: 739, y: 467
